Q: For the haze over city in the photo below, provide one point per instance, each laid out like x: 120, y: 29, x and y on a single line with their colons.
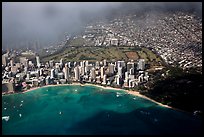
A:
x: 47, y: 23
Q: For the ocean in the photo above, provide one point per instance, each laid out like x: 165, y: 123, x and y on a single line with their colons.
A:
x: 76, y: 110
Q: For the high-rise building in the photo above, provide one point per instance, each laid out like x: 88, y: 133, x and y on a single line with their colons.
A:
x: 141, y: 64
x: 93, y: 73
x: 56, y: 72
x: 4, y: 61
x: 61, y: 62
x: 121, y: 64
x: 75, y: 64
x: 28, y: 76
x: 111, y: 68
x: 24, y: 61
x: 25, y: 69
x: 66, y: 72
x: 38, y: 73
x: 131, y: 65
x: 86, y: 69
x: 52, y: 73
x: 60, y: 75
x: 47, y: 80
x: 118, y: 81
x: 120, y: 71
x: 141, y: 78
x: 41, y: 71
x: 97, y: 65
x: 76, y: 73
x: 104, y: 80
x: 12, y: 62
x: 69, y: 64
x: 98, y: 79
x: 126, y: 75
x: 51, y: 62
x: 86, y: 63
x: 132, y: 77
x: 104, y: 62
x: 30, y: 63
x: 102, y: 72
x: 126, y: 83
x: 131, y: 83
x: 131, y: 71
x: 38, y: 61
x: 82, y: 71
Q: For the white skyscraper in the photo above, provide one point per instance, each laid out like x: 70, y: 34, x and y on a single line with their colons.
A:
x: 75, y: 64
x: 120, y: 72
x: 30, y: 63
x: 86, y: 63
x: 120, y: 64
x: 83, y: 71
x: 66, y: 72
x: 93, y: 73
x: 141, y: 78
x: 25, y: 69
x: 28, y: 76
x: 80, y: 68
x: 4, y: 60
x: 69, y: 64
x: 126, y: 75
x: 41, y: 71
x: 111, y: 68
x: 52, y: 73
x: 86, y: 69
x: 141, y: 64
x: 76, y: 73
x: 131, y: 65
x: 61, y: 61
x: 118, y: 80
x: 38, y: 61
x: 102, y: 72
x: 104, y: 80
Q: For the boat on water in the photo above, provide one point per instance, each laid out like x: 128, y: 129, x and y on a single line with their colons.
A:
x: 6, y: 118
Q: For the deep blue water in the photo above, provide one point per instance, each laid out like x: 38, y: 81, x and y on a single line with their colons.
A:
x: 91, y: 110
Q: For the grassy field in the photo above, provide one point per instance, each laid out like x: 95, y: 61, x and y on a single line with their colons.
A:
x: 109, y: 53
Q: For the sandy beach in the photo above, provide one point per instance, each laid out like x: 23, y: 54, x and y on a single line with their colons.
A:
x: 135, y: 93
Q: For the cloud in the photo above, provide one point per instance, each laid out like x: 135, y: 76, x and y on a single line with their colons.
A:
x: 47, y: 22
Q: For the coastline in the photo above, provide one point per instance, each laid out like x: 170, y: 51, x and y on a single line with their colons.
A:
x: 134, y: 93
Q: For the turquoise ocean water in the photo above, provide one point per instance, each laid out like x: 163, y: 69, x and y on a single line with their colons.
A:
x: 77, y: 109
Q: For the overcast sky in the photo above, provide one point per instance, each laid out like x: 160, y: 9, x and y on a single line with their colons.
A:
x: 47, y: 22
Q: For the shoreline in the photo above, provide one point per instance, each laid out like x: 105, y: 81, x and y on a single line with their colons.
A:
x: 131, y: 92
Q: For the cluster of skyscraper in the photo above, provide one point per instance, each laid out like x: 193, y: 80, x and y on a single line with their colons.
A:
x: 27, y: 74
x: 119, y: 73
